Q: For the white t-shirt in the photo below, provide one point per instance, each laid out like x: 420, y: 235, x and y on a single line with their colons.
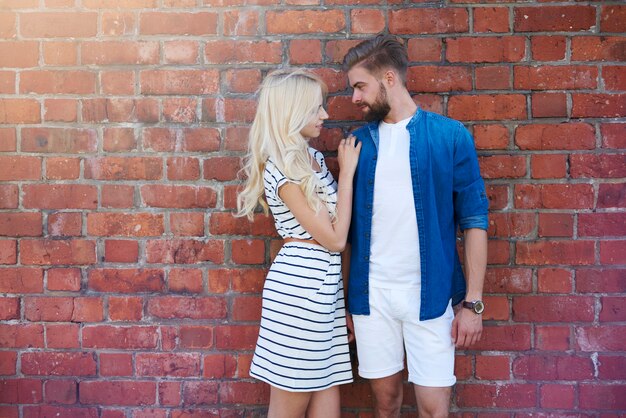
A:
x: 394, y: 251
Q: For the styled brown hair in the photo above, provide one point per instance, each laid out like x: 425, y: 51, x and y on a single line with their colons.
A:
x: 378, y: 54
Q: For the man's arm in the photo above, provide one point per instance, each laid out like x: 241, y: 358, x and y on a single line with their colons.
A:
x: 467, y: 326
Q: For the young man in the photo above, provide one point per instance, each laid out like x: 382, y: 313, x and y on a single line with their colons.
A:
x: 417, y: 181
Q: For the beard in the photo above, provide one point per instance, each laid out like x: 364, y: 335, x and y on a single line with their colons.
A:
x: 380, y: 108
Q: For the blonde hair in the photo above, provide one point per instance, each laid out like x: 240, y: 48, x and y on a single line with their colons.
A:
x: 288, y: 100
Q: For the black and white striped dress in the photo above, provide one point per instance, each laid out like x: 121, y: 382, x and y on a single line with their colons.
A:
x: 303, y: 344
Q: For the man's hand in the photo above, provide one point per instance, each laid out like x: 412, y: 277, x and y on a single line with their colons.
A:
x: 350, y: 326
x: 467, y: 328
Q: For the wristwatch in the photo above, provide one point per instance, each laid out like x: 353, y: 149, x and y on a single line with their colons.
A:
x: 477, y: 306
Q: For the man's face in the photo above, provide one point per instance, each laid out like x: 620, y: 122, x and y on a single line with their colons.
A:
x: 369, y: 94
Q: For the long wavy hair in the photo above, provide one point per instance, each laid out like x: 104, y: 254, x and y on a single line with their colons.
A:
x: 288, y: 100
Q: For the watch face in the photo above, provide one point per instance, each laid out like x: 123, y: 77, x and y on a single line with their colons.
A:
x: 479, y: 307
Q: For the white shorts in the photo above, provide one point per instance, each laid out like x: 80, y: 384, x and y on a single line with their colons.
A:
x: 392, y: 327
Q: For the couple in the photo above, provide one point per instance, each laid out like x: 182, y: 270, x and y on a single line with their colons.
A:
x: 415, y: 177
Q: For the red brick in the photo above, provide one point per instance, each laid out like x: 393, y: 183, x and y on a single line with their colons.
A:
x: 7, y: 25
x: 8, y: 140
x: 246, y: 308
x: 612, y: 367
x: 65, y: 224
x: 554, y: 18
x: 8, y: 197
x: 119, y: 139
x: 602, y: 397
x: 164, y: 196
x: 169, y: 393
x: 180, y: 110
x: 548, y: 48
x: 61, y: 196
x: 52, y: 252
x: 502, y: 166
x: 169, y: 23
x: 367, y: 21
x: 336, y: 50
x: 555, y: 77
x: 598, y: 105
x: 19, y: 54
x: 242, y: 80
x: 428, y: 20
x: 493, y: 78
x: 59, y: 140
x: 462, y: 369
x: 54, y: 309
x: 7, y: 86
x: 612, y: 252
x: 438, y: 79
x: 68, y: 279
x: 21, y: 280
x: 241, y: 22
x: 117, y: 82
x: 125, y: 308
x: 8, y: 361
x: 613, y: 135
x: 168, y: 365
x: 595, y: 48
x: 236, y: 337
x: 511, y: 224
x: 186, y: 307
x: 241, y: 280
x: 491, y: 137
x: 554, y: 196
x: 612, y: 309
x: 117, y: 196
x: 556, y: 225
x: 555, y: 396
x: 219, y: 366
x: 126, y: 280
x: 8, y: 251
x: 538, y: 367
x: 614, y: 77
x: 492, y: 368
x: 122, y: 224
x: 597, y: 165
x: 600, y: 281
x: 612, y: 19
x: 229, y: 196
x: 487, y: 107
x: 491, y: 19
x: 127, y: 338
x: 24, y: 224
x: 20, y: 168
x: 485, y: 49
x: 57, y: 82
x: 601, y: 224
x: 553, y: 308
x: 499, y: 252
x: 305, y: 51
x: 184, y: 251
x: 511, y: 395
x: 21, y: 391
x: 225, y: 223
x: 187, y: 224
x: 544, y: 166
x: 248, y: 251
x: 185, y: 280
x: 179, y: 81
x: 304, y: 21
x: 221, y: 168
x: 118, y: 23
x: 60, y: 391
x: 9, y: 309
x: 123, y: 168
x: 56, y: 411
x: 58, y: 364
x: 121, y: 251
x: 612, y: 195
x: 234, y: 392
x: 200, y: 393
x: 552, y: 337
x: 21, y: 336
x: 239, y: 110
x: 60, y: 53
x: 62, y: 168
x: 555, y: 252
x: 117, y: 393
x: 194, y: 337
x: 504, y: 337
x: 20, y: 111
x: 424, y: 50
x: 119, y: 53
x: 183, y: 168
x: 186, y: 140
x: 113, y: 4
x: 548, y: 105
x: 120, y: 110
x: 60, y: 110
x: 236, y: 51
x: 62, y: 336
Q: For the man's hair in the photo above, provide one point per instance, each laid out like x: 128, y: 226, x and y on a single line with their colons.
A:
x: 378, y: 54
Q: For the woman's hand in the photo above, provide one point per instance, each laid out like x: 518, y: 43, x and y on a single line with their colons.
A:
x: 348, y: 155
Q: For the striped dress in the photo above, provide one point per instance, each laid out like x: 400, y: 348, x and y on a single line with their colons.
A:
x: 302, y: 344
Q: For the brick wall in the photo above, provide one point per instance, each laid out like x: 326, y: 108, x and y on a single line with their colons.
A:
x: 129, y: 290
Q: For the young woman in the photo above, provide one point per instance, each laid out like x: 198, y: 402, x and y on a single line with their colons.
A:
x: 302, y: 349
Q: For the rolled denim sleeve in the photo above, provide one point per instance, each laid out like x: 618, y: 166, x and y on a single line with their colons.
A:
x: 470, y: 198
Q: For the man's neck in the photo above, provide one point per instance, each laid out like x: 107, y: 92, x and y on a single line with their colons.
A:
x: 402, y: 107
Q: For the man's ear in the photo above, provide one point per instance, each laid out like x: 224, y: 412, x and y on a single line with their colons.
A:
x: 390, y: 77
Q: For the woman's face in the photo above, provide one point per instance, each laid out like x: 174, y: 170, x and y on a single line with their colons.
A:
x: 313, y: 128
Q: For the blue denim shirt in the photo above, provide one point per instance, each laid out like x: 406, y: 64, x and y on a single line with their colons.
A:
x: 448, y: 192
